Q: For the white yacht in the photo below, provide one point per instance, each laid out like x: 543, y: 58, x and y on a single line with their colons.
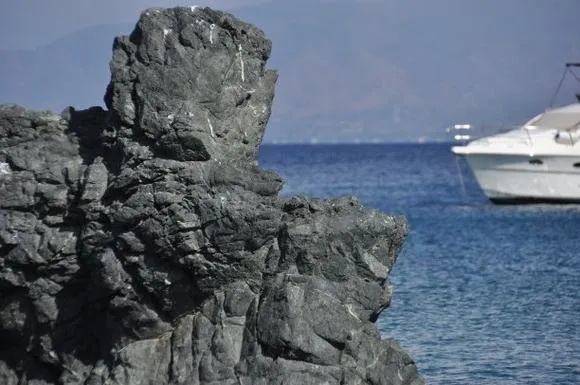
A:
x: 536, y: 162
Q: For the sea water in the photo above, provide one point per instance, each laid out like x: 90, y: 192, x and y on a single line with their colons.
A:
x: 483, y: 294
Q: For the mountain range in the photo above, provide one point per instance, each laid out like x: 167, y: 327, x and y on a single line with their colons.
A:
x: 357, y: 70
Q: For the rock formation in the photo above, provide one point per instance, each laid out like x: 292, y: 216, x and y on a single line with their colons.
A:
x: 143, y: 245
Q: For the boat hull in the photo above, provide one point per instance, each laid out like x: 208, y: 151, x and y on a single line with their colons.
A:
x: 512, y: 179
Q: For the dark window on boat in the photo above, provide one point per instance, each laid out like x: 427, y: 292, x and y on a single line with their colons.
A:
x: 536, y: 161
x: 577, y: 164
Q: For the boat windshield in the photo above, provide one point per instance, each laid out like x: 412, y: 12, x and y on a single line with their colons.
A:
x: 564, y: 118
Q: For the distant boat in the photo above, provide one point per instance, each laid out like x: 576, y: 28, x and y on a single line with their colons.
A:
x: 533, y: 163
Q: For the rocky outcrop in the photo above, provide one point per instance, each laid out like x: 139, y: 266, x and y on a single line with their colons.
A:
x: 143, y: 245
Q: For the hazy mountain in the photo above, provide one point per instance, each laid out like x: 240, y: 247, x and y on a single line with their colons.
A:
x: 73, y: 70
x: 384, y: 70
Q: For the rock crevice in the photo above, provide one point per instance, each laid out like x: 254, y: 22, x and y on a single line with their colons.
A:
x: 143, y: 245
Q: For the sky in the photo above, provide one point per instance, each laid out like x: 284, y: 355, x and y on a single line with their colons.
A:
x: 27, y: 24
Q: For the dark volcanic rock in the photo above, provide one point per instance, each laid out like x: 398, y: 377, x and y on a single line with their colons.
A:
x: 142, y: 245
x: 192, y: 85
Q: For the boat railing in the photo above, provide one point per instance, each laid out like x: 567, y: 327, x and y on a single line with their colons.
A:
x: 512, y: 135
x: 466, y: 132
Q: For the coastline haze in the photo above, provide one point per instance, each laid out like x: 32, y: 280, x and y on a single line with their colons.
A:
x: 350, y: 71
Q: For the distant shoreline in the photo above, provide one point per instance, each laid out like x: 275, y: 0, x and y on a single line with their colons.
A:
x: 355, y: 143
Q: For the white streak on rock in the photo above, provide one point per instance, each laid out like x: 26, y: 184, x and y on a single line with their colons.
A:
x: 167, y: 282
x: 211, y: 29
x: 241, y: 61
x: 210, y: 127
x: 399, y: 375
x: 166, y: 31
x: 171, y: 118
x: 349, y: 308
x: 193, y: 8
x: 5, y: 169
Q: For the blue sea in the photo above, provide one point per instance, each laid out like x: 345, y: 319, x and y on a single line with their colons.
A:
x: 483, y: 294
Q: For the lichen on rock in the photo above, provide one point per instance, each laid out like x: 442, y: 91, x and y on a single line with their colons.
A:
x: 143, y: 245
